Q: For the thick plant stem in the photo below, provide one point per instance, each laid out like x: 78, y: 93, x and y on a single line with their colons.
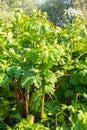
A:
x: 27, y: 102
x: 20, y: 101
x: 19, y: 97
x: 42, y: 107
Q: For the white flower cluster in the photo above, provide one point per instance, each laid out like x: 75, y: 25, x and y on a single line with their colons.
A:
x: 71, y: 12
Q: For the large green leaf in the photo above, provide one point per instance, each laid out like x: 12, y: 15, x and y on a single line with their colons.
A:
x: 83, y: 76
x: 74, y: 79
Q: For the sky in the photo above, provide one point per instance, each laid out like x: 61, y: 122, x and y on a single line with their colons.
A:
x: 42, y: 0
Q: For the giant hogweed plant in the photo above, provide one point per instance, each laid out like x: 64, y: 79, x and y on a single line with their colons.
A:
x: 40, y: 60
x: 28, y: 51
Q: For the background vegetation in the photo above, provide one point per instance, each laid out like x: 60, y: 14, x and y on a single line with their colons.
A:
x: 43, y: 67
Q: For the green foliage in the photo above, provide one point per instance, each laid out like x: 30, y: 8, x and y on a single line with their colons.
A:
x: 26, y: 124
x: 46, y: 64
x: 28, y: 55
x: 23, y: 49
x: 9, y: 113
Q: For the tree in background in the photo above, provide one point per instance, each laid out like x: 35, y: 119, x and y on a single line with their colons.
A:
x: 55, y: 9
x: 6, y: 7
x: 26, y: 5
x: 82, y: 5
